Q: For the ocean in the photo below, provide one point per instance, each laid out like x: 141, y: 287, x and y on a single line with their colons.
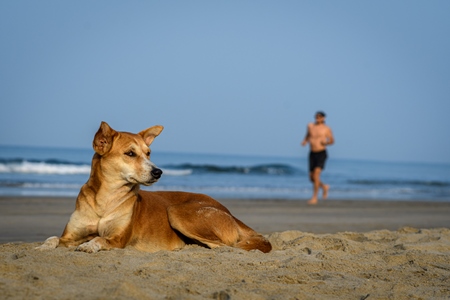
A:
x: 34, y: 171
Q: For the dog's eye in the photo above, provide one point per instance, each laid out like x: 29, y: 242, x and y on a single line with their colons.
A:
x: 130, y: 153
x: 148, y: 153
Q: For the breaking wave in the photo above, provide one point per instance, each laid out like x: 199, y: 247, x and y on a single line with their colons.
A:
x: 50, y: 166
x: 264, y: 169
x: 54, y: 166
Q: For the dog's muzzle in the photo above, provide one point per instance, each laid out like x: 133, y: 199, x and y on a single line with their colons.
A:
x: 156, y: 173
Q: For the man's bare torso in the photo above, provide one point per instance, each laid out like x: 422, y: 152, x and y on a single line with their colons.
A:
x: 319, y: 136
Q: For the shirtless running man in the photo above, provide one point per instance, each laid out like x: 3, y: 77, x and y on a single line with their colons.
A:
x: 318, y: 135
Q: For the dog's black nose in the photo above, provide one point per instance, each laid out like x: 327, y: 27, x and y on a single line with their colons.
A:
x: 156, y: 173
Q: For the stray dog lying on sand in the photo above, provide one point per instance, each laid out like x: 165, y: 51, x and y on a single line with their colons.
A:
x: 112, y: 212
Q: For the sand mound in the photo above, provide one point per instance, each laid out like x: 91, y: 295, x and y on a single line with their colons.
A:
x: 404, y: 264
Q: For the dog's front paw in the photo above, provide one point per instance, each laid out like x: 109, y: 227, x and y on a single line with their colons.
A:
x: 50, y: 243
x: 89, y: 247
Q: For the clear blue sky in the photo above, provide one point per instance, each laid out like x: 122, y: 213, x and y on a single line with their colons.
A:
x: 238, y: 77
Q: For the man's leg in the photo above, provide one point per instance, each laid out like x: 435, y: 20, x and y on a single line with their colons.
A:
x: 315, y: 179
x: 325, y: 188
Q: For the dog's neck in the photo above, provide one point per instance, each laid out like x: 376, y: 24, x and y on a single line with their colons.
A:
x: 105, y: 193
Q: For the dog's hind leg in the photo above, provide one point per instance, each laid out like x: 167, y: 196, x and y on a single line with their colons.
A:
x: 214, y: 226
x: 205, y: 224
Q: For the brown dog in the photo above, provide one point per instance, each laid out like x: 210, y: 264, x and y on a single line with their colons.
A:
x: 111, y: 211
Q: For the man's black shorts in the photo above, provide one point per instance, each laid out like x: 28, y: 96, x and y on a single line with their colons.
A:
x: 317, y: 159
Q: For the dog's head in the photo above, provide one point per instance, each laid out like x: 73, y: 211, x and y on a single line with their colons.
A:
x: 125, y: 156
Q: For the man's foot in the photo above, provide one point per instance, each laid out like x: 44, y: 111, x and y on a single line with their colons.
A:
x: 313, y: 201
x: 325, y: 189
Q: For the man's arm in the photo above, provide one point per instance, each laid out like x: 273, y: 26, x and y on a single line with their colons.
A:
x: 330, y: 137
x: 306, y: 139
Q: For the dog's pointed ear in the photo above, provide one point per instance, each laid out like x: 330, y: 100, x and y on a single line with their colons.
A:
x: 149, y: 134
x: 103, y: 138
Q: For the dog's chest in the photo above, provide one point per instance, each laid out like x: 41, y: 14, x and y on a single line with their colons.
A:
x: 113, y: 223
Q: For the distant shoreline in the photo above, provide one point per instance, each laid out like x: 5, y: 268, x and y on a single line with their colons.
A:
x: 32, y: 219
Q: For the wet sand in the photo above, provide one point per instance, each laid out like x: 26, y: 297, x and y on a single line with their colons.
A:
x: 355, y: 249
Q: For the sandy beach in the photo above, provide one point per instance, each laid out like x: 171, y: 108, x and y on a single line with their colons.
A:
x: 355, y: 249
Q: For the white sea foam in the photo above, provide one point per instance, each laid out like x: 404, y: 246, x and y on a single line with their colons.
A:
x: 172, y: 172
x: 44, y: 168
x: 26, y: 167
x: 55, y: 186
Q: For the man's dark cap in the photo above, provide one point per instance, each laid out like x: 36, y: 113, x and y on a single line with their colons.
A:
x: 321, y: 113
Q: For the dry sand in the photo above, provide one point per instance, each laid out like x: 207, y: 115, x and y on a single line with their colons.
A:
x: 336, y: 250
